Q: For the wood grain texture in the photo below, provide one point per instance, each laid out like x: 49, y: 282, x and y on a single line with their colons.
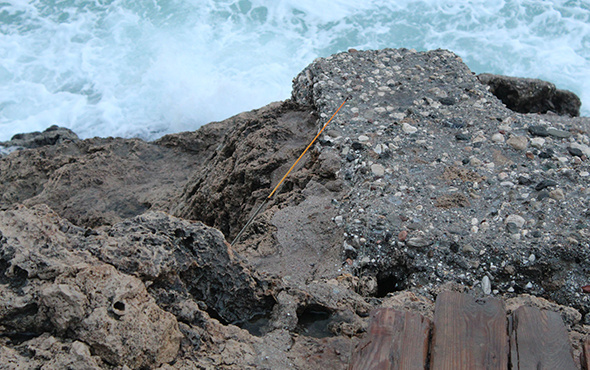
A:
x: 541, y: 339
x: 468, y: 333
x: 394, y: 340
x: 585, y: 356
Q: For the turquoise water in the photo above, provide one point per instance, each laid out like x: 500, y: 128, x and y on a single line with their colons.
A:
x: 143, y: 69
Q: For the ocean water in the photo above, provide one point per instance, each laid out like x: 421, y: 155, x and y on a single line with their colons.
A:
x: 146, y: 68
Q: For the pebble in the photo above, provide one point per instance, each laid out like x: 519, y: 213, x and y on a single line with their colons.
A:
x: 532, y: 258
x: 558, y: 133
x: 363, y: 138
x: 468, y: 249
x: 339, y: 220
x: 462, y: 137
x: 548, y: 153
x: 475, y: 162
x: 584, y: 148
x: 402, y: 235
x: 537, y: 142
x: 538, y: 130
x: 576, y: 152
x: 557, y: 194
x: 516, y: 220
x: 408, y: 129
x: 398, y: 116
x: 529, y: 285
x: 418, y: 242
x: 486, y: 285
x: 517, y: 142
x: 378, y: 170
x: 498, y: 138
x: 545, y: 184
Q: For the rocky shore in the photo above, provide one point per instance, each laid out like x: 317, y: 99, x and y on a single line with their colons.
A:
x: 114, y: 252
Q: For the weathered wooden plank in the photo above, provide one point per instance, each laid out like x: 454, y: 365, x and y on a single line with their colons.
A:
x: 541, y: 339
x: 585, y: 357
x: 394, y: 340
x: 468, y: 333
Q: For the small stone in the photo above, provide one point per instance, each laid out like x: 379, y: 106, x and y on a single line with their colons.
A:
x: 576, y: 152
x: 545, y: 184
x: 402, y: 235
x: 398, y: 116
x: 363, y: 138
x: 512, y: 228
x: 468, y: 249
x: 339, y: 220
x: 524, y: 180
x: 537, y: 142
x: 557, y: 194
x: 529, y: 285
x: 546, y: 154
x: 517, y: 220
x: 379, y: 148
x: 517, y: 142
x: 486, y: 285
x: 538, y: 130
x: 584, y: 148
x: 558, y: 133
x: 498, y: 138
x: 378, y: 170
x: 408, y: 129
x: 418, y: 242
x: 532, y: 258
x: 462, y: 137
x: 447, y: 101
x: 475, y: 162
x: 357, y: 146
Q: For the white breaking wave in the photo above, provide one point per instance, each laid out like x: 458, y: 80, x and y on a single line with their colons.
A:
x: 144, y: 69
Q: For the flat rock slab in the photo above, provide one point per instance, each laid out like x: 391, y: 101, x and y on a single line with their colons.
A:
x: 395, y: 340
x: 539, y: 340
x: 469, y: 333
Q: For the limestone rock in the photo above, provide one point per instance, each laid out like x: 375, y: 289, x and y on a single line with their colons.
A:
x: 53, y: 286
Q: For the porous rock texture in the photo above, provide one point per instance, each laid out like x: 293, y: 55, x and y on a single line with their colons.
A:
x: 113, y: 252
x: 530, y: 95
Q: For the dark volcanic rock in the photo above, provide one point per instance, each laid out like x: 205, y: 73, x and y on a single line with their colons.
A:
x: 527, y: 95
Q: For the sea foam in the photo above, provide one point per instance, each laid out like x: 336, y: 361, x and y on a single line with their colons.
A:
x: 144, y: 69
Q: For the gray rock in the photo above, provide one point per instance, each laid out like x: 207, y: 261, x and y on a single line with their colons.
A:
x: 538, y: 130
x: 51, y: 136
x: 576, y: 152
x: 517, y: 142
x: 545, y: 184
x: 517, y: 220
x: 558, y: 133
x: 418, y: 242
x: 486, y: 285
x: 377, y: 169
